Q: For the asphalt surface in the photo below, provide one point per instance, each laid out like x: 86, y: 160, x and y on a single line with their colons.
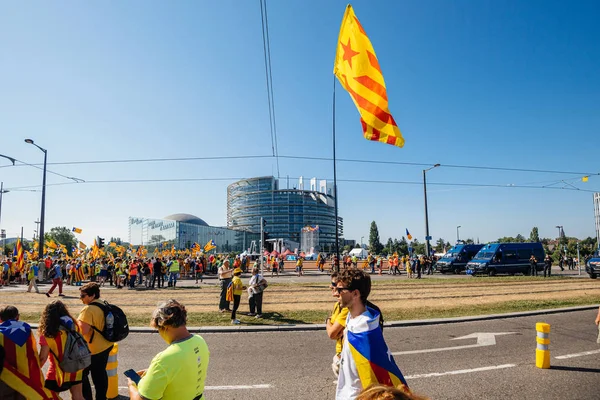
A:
x: 296, y: 365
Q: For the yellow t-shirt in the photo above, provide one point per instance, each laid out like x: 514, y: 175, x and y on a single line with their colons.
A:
x: 178, y: 372
x: 339, y: 315
x: 94, y: 316
x: 238, y: 286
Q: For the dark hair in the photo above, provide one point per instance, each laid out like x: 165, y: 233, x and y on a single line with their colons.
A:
x: 91, y: 289
x: 9, y: 312
x: 335, y: 275
x: 170, y: 313
x: 355, y: 279
x: 50, y: 318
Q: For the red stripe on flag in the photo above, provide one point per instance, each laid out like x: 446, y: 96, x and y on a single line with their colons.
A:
x: 373, y: 60
x: 360, y: 28
x: 372, y: 85
x: 365, y: 104
x: 382, y: 375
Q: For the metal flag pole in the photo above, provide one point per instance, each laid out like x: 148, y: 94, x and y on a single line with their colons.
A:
x: 337, y: 239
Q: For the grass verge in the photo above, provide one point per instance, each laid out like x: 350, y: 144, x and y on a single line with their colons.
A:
x: 318, y: 316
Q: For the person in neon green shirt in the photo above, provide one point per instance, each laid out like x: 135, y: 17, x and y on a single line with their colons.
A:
x: 173, y: 267
x: 178, y: 372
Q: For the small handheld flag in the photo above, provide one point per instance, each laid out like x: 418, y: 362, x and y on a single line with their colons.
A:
x: 408, y: 235
x: 77, y: 230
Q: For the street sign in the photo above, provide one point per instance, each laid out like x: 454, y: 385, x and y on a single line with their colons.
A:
x: 427, y: 237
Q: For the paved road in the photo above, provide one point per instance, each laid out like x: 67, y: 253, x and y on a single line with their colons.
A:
x: 296, y: 365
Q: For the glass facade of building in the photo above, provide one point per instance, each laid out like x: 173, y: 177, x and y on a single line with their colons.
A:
x: 286, y: 211
x: 182, y: 232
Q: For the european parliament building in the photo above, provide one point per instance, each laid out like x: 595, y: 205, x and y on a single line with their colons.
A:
x: 182, y: 230
x: 286, y: 211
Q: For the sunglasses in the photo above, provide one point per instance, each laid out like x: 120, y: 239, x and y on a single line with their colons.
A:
x: 82, y: 295
x: 333, y: 284
x: 339, y: 290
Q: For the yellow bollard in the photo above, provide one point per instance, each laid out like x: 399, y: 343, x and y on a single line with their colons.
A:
x: 111, y: 370
x: 542, y: 352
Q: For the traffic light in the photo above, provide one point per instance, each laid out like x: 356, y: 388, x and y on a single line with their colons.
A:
x: 100, y: 242
x: 264, y: 223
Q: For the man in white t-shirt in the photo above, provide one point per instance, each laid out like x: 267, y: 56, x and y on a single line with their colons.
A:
x: 362, y: 329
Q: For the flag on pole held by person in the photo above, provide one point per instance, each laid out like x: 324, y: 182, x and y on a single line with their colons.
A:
x: 209, y: 246
x: 357, y: 68
x: 374, y: 361
x: 22, y: 370
x: 19, y: 254
x: 82, y: 246
x: 408, y: 235
x: 77, y: 230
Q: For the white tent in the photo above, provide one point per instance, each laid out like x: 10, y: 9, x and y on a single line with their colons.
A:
x: 360, y: 253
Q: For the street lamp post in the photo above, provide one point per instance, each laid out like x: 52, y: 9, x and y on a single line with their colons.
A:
x: 559, y: 227
x: 427, y: 246
x: 361, y: 241
x: 43, y: 211
x: 457, y: 236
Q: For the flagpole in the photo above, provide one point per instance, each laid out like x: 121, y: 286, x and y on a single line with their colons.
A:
x: 337, y: 239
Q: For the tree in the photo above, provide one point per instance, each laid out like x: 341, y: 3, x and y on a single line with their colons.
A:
x: 520, y: 238
x: 347, y: 248
x: 389, y: 247
x: 375, y: 245
x: 62, y: 235
x: 534, y: 236
x: 440, y: 246
x: 403, y: 246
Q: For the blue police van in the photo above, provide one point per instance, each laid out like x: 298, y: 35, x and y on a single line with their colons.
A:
x: 506, y: 258
x: 592, y: 266
x: 456, y: 259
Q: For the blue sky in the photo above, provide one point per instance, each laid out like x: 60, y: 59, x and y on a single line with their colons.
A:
x: 489, y: 83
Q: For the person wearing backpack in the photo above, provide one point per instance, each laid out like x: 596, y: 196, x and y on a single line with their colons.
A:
x: 91, y: 320
x: 62, y: 344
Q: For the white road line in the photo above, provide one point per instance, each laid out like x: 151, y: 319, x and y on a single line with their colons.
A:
x: 461, y: 371
x: 232, y: 387
x: 585, y: 353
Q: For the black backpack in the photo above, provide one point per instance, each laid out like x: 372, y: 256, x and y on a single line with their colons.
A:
x: 116, y: 327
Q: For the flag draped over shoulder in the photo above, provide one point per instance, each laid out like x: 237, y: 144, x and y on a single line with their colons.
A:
x: 374, y: 361
x: 22, y: 370
x: 357, y: 68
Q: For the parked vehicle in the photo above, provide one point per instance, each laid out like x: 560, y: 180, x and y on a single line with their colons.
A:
x: 592, y: 266
x: 456, y: 259
x: 506, y: 258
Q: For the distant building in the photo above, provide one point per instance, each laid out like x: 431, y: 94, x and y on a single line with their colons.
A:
x: 597, y: 216
x: 183, y: 230
x: 285, y: 211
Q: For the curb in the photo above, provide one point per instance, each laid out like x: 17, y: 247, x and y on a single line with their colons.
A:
x: 393, y: 324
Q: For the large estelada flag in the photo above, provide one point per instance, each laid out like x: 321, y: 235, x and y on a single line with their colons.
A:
x: 209, y: 246
x: 357, y: 68
x: 374, y: 362
x: 22, y: 370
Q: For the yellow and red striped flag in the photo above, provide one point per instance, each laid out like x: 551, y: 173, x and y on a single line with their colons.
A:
x: 22, y: 370
x: 357, y: 68
x: 20, y: 260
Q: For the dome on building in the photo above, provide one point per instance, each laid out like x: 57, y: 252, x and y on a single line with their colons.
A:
x: 186, y: 218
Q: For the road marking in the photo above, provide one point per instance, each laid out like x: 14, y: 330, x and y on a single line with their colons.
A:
x: 483, y: 339
x: 232, y: 387
x: 461, y: 371
x: 585, y: 353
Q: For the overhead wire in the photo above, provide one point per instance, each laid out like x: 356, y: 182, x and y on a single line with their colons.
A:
x: 269, y: 80
x: 312, y: 158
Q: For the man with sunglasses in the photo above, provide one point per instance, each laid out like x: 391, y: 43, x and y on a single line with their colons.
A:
x: 335, y: 325
x: 363, y: 338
